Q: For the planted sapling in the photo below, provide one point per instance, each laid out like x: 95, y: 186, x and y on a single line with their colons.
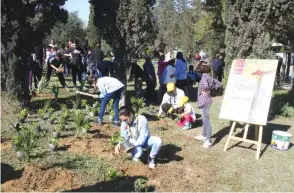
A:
x: 23, y: 115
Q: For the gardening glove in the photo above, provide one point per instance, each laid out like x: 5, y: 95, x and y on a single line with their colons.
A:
x: 170, y: 110
x: 117, y: 149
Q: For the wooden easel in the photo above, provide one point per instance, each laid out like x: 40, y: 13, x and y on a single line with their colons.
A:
x: 258, y: 134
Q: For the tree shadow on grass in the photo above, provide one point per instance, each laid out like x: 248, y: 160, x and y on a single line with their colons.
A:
x: 8, y: 173
x: 119, y: 184
x: 278, y: 102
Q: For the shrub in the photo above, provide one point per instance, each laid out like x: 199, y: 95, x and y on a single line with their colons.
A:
x: 140, y: 185
x: 287, y: 111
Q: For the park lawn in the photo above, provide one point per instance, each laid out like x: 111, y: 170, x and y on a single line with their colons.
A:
x: 87, y: 163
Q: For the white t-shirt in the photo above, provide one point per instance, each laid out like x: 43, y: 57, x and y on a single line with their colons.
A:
x: 169, y: 71
x: 173, y: 100
x: 108, y: 85
x: 189, y: 108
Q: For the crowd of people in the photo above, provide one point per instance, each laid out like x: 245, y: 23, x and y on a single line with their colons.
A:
x: 176, y: 77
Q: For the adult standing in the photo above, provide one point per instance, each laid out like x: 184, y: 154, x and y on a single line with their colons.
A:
x: 98, y: 55
x: 37, y: 65
x: 150, y: 79
x: 181, y: 71
x: 76, y: 63
x: 110, y: 88
x: 138, y: 73
x: 206, y: 84
x: 216, y: 65
x: 168, y: 75
x: 161, y: 66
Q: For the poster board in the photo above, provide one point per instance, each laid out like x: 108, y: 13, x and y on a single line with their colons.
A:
x: 249, y: 90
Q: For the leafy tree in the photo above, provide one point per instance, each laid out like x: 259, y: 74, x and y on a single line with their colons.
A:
x: 92, y: 31
x: 126, y: 26
x: 72, y: 29
x: 252, y: 25
x: 24, y: 24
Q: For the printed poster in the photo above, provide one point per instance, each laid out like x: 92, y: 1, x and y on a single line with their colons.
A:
x: 249, y: 90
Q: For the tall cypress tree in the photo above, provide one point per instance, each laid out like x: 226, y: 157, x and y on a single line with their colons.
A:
x: 92, y: 30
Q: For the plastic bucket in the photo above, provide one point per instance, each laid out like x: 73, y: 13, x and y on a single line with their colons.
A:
x: 281, y: 140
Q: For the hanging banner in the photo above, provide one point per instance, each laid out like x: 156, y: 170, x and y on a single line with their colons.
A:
x: 249, y: 91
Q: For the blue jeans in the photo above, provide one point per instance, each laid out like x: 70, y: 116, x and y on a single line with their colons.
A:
x: 206, y: 128
x: 116, y: 97
x: 152, y: 142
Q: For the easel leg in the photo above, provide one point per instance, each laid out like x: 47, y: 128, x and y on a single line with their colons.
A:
x: 245, y: 131
x: 230, y: 135
x: 259, y: 142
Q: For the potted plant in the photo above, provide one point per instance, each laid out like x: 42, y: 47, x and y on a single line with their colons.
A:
x: 51, y: 119
x: 23, y: 115
x: 25, y: 141
x: 111, y: 116
x: 53, y: 143
x: 17, y: 146
x: 86, y: 128
x: 49, y: 112
x: 93, y: 112
x: 56, y: 130
x: 80, y: 121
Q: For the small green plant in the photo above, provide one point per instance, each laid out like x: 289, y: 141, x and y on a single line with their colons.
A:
x: 287, y: 111
x: 80, y: 121
x: 141, y: 185
x: 54, y: 141
x: 85, y: 104
x: 26, y: 140
x: 50, y: 110
x: 109, y: 106
x: 41, y: 85
x: 23, y: 114
x: 44, y: 109
x: 64, y: 115
x: 115, y: 139
x: 96, y: 105
x: 55, y: 90
x: 137, y: 104
x: 53, y: 117
x: 112, y: 174
x: 58, y: 128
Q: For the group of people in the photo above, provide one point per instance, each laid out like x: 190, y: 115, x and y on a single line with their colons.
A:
x: 80, y: 60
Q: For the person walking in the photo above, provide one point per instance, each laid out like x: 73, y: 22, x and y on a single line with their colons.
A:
x: 98, y: 56
x: 110, y: 88
x: 181, y: 71
x: 206, y: 84
x: 150, y: 79
x: 161, y: 66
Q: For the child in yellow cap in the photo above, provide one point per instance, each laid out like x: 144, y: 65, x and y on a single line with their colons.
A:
x: 188, y: 117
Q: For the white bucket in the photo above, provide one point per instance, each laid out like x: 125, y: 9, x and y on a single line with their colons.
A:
x: 281, y: 140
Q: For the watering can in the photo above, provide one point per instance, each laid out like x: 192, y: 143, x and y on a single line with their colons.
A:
x: 127, y: 146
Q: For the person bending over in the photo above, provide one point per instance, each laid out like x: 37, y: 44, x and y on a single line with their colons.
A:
x: 171, y: 100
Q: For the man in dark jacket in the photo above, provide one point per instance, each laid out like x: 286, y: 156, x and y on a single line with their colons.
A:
x: 138, y: 73
x: 150, y: 79
x: 98, y: 55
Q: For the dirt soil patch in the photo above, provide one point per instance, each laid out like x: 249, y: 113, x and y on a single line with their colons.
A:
x: 5, y: 144
x: 96, y: 143
x: 45, y: 180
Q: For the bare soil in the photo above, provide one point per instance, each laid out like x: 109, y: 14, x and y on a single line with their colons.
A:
x: 45, y: 180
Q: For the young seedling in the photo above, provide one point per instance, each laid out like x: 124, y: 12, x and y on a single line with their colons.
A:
x: 80, y: 121
x: 112, y: 174
x: 141, y: 185
x: 26, y: 141
x: 51, y: 119
x: 53, y: 143
x: 41, y: 85
x: 56, y: 130
x: 55, y: 90
x: 137, y: 104
x: 115, y: 139
x: 23, y: 115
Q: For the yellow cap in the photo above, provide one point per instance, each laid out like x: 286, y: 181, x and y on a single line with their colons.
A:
x: 183, y: 100
x: 170, y: 87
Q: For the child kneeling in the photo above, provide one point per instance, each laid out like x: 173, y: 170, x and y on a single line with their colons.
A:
x: 134, y: 129
x: 188, y: 117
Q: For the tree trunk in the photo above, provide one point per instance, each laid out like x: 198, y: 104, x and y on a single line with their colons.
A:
x: 120, y: 73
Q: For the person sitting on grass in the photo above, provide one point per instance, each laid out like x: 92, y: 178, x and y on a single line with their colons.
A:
x: 134, y: 129
x: 110, y: 88
x: 171, y: 100
x: 188, y: 117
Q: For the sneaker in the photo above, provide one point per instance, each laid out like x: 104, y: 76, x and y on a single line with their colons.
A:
x: 200, y: 138
x: 136, y: 159
x: 207, y: 144
x: 151, y: 163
